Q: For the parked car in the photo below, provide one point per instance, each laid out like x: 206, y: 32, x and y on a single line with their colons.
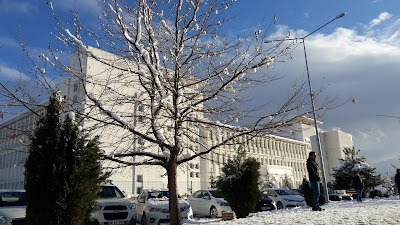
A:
x: 340, y: 197
x: 378, y: 193
x: 298, y: 192
x: 152, y: 207
x: 12, y: 207
x: 265, y: 203
x: 284, y: 197
x: 208, y: 202
x: 112, y: 207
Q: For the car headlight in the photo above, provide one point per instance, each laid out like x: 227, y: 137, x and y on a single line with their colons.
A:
x: 131, y: 206
x: 223, y: 203
x: 97, y: 208
x: 3, y: 220
x: 289, y: 200
x: 184, y: 208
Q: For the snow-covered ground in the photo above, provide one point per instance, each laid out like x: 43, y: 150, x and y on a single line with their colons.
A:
x: 370, y: 211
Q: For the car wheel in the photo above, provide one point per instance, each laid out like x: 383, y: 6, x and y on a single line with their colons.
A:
x: 279, y: 205
x: 213, y: 212
x: 143, y: 220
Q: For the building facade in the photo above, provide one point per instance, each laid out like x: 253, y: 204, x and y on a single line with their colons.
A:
x: 332, y: 145
x: 281, y: 157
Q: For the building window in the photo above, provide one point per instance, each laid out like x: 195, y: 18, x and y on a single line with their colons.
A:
x: 76, y: 86
x: 75, y: 99
x: 139, y: 178
x: 140, y: 140
x: 140, y: 107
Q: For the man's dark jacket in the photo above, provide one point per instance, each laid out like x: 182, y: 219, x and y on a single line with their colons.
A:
x: 397, y: 179
x: 313, y: 170
x: 358, y: 183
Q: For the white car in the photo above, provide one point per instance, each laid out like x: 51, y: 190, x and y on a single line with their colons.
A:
x: 112, y: 207
x: 209, y: 202
x: 284, y: 197
x: 12, y: 207
x: 152, y: 207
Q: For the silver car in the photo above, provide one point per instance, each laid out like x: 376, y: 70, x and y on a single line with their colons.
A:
x: 284, y: 197
x: 152, y: 207
x: 12, y: 207
x: 209, y: 202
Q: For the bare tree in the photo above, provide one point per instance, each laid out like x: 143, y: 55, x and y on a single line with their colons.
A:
x: 163, y: 65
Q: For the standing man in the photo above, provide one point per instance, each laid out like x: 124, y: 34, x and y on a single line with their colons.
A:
x: 313, y: 175
x: 358, y: 185
x: 397, y: 179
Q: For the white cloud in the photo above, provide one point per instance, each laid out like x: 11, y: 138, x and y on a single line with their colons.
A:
x: 382, y: 17
x: 11, y: 73
x: 13, y: 6
x: 8, y: 42
x: 373, y: 135
x: 363, y: 63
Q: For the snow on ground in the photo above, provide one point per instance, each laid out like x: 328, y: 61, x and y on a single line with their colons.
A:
x: 370, y: 211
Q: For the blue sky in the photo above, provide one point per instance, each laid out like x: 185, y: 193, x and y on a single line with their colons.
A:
x: 358, y: 56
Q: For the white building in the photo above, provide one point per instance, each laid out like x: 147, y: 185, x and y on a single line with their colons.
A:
x: 332, y: 142
x: 332, y: 145
x: 280, y: 157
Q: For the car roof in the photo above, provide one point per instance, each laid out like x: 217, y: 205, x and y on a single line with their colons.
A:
x: 12, y: 190
x: 155, y: 189
x: 276, y: 189
x: 209, y: 189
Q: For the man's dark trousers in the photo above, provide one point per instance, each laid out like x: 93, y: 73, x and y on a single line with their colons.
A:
x: 315, y: 193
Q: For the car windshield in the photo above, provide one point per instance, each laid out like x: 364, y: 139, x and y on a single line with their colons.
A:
x: 12, y: 198
x: 159, y: 194
x: 284, y: 192
x: 110, y: 192
x: 216, y: 194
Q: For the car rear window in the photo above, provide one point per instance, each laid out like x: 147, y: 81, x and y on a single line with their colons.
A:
x: 12, y: 198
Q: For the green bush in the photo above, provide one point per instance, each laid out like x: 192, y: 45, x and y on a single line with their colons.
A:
x: 239, y: 184
x: 307, y: 193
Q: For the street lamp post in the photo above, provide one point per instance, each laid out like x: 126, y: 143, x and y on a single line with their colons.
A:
x: 326, y: 195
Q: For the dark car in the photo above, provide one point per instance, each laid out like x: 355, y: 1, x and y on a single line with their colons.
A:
x: 265, y: 203
x: 335, y: 197
x: 378, y: 193
x: 340, y: 197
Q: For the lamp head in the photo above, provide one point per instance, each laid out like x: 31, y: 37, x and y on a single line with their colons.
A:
x: 340, y: 15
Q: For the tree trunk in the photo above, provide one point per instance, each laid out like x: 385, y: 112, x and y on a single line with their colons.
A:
x: 174, y: 209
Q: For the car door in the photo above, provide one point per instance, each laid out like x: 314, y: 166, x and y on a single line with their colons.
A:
x: 205, y: 203
x: 140, y: 205
x: 272, y: 195
x: 195, y: 202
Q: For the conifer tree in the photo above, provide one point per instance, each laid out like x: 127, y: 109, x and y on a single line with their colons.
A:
x: 239, y: 184
x: 62, y: 172
x: 344, y: 173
